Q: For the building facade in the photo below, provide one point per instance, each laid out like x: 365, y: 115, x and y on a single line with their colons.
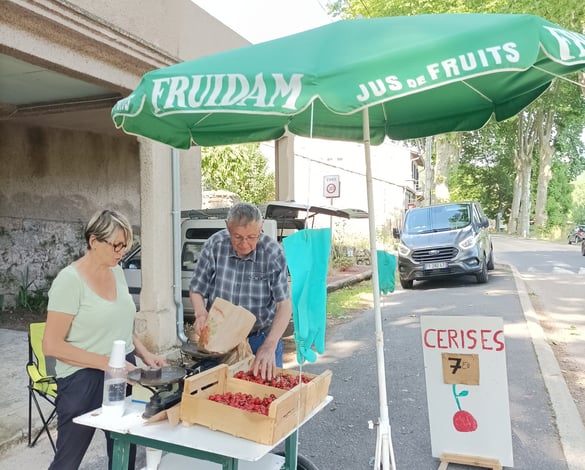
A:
x: 63, y: 64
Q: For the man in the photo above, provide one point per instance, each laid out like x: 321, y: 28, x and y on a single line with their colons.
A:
x: 246, y: 267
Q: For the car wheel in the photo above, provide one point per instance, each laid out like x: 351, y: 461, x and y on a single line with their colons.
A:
x: 490, y: 264
x: 482, y: 276
x: 303, y: 463
x: 406, y: 284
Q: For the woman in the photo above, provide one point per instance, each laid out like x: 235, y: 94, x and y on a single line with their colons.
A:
x: 90, y: 307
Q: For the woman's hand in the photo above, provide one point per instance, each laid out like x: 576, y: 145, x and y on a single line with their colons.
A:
x: 152, y: 360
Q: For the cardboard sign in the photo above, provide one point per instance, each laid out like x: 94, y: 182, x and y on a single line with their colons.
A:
x: 460, y: 368
x: 467, y: 387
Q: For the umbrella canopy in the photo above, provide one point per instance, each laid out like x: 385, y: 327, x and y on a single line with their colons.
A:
x: 357, y: 80
x: 417, y: 75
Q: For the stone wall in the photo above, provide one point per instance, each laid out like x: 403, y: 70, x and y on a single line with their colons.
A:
x: 33, y: 251
x: 51, y: 182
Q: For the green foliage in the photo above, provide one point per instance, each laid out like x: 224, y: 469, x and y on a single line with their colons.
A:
x: 342, y: 262
x: 34, y: 300
x: 570, y: 149
x: 485, y: 171
x: 578, y: 200
x: 567, y: 13
x: 357, y: 297
x: 559, y: 201
x: 241, y: 169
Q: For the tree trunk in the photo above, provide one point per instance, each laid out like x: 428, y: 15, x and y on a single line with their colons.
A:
x: 515, y: 209
x: 519, y: 223
x: 447, y: 148
x: 544, y: 168
x: 525, y: 204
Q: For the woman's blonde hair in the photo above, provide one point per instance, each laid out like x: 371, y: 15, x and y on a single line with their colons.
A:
x: 103, y: 224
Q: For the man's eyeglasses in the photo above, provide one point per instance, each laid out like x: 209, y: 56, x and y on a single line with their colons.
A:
x: 117, y: 246
x: 239, y: 239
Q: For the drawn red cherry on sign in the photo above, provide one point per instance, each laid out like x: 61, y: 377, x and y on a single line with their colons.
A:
x: 463, y: 421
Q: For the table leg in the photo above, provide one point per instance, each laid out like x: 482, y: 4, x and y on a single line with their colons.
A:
x: 290, y: 451
x: 121, y: 451
x: 231, y: 464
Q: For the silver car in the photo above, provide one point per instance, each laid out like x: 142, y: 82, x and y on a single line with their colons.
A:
x: 577, y: 235
x: 445, y: 240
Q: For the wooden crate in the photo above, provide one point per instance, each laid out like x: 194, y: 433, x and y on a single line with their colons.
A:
x: 311, y: 394
x: 196, y: 408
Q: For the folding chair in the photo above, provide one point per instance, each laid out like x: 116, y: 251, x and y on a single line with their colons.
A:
x: 41, y: 382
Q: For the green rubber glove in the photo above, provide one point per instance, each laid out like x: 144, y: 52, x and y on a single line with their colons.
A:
x: 307, y: 256
x: 386, y: 272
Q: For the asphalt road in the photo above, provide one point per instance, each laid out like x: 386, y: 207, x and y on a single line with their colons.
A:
x: 554, y: 274
x: 340, y: 434
x: 339, y: 437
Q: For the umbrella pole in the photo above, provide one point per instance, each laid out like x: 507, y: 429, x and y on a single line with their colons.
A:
x: 384, y: 451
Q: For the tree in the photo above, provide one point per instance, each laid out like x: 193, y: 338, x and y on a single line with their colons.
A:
x: 241, y: 169
x: 485, y: 171
x: 560, y: 200
x: 578, y: 200
x: 538, y: 126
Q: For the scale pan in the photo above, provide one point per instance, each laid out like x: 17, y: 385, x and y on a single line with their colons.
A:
x: 157, y: 377
x: 193, y: 350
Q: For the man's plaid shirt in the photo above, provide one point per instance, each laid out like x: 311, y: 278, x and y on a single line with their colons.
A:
x: 257, y: 282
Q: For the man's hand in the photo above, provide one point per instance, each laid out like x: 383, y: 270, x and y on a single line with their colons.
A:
x: 265, y: 362
x: 201, y: 314
x: 200, y: 320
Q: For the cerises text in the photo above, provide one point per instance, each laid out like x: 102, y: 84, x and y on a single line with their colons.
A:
x: 485, y: 340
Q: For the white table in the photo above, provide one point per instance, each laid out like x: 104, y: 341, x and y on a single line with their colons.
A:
x: 192, y: 441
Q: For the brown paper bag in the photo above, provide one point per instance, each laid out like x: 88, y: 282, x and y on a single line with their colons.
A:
x: 227, y: 326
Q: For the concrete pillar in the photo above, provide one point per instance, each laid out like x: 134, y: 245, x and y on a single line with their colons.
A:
x: 191, y: 194
x: 156, y: 320
x: 284, y: 168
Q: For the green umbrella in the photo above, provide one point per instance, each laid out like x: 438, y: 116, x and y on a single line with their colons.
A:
x: 357, y: 80
x: 417, y: 75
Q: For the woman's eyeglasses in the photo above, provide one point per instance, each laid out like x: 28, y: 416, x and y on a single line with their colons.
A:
x: 117, y: 246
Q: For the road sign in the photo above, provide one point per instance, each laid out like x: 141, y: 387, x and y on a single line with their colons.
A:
x: 331, y: 186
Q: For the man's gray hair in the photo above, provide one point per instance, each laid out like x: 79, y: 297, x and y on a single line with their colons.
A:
x: 243, y: 213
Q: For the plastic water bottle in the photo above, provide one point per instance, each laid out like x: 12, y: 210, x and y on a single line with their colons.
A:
x: 115, y: 381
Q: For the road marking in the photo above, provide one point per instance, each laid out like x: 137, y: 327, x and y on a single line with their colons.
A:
x: 559, y: 270
x: 569, y: 424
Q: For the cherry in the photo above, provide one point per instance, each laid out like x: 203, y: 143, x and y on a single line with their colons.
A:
x: 464, y: 421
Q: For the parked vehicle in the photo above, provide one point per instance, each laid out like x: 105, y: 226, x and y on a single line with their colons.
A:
x: 577, y: 235
x: 280, y: 219
x: 445, y: 240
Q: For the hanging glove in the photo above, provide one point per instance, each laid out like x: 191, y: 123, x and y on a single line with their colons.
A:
x: 386, y: 272
x: 307, y: 253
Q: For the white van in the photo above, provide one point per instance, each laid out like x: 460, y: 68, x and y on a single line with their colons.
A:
x: 280, y: 219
